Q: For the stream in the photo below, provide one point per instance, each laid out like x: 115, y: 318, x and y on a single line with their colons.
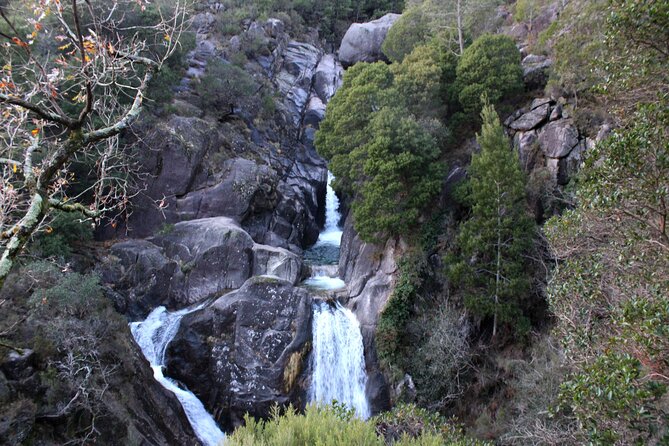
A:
x: 337, y: 358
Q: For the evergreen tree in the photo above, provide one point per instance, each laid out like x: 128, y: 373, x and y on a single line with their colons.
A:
x: 492, y: 243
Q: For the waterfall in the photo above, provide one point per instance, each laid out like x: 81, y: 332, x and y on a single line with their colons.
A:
x: 153, y: 335
x: 338, y: 359
x: 338, y: 356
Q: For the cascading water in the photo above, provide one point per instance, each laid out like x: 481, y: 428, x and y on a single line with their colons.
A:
x: 338, y: 357
x: 153, y: 335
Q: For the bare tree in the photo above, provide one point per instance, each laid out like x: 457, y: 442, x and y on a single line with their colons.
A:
x: 74, y: 78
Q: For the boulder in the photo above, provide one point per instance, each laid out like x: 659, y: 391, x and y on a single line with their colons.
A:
x: 535, y: 70
x: 140, y: 272
x: 246, y: 187
x: 368, y: 271
x: 189, y: 262
x: 362, y: 41
x: 246, y: 352
x: 526, y: 144
x: 274, y: 27
x: 327, y: 77
x: 558, y: 138
x: 532, y: 119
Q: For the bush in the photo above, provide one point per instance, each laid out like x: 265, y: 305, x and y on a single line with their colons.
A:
x: 409, y: 31
x: 224, y: 87
x: 325, y: 426
x: 491, y: 67
x: 66, y: 229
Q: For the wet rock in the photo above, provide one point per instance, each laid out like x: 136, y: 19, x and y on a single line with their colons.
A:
x: 245, y: 352
x: 18, y: 365
x: 362, y: 41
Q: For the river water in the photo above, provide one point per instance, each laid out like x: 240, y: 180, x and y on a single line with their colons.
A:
x: 338, y: 357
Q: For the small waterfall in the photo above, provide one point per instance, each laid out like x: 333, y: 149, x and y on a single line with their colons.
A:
x: 338, y: 356
x: 338, y: 359
x: 153, y: 335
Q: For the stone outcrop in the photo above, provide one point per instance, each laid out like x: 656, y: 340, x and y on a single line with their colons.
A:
x: 368, y: 271
x: 362, y: 41
x: 246, y: 351
x: 190, y: 262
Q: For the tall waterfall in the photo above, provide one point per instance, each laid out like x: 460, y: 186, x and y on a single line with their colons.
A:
x: 338, y: 357
x: 153, y: 335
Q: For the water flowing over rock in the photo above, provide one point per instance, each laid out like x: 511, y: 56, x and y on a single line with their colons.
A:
x: 362, y: 41
x: 245, y: 352
x: 338, y: 359
x: 153, y: 335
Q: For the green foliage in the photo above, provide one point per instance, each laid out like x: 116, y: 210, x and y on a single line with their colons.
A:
x: 406, y: 425
x: 344, y: 130
x: 409, y: 424
x: 404, y: 175
x: 224, y: 87
x: 610, y: 295
x: 491, y: 67
x: 490, y: 266
x: 324, y: 425
x: 611, y: 393
x: 73, y: 294
x: 390, y: 330
x: 418, y: 80
x: 65, y: 229
x: 408, y: 32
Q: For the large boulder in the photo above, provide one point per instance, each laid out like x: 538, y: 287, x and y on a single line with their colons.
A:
x: 558, y: 138
x: 189, y: 262
x: 245, y: 352
x: 362, y: 41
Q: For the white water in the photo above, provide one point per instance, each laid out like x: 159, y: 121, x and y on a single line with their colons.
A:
x: 338, y: 359
x: 331, y: 234
x: 324, y: 277
x: 153, y: 335
x: 338, y: 356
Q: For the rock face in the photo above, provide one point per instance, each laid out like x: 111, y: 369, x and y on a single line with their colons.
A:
x: 246, y: 351
x: 192, y: 261
x: 362, y: 41
x: 368, y: 272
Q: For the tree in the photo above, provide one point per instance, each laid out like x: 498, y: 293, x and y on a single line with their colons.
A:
x: 418, y: 80
x: 402, y: 175
x: 224, y: 87
x: 343, y: 132
x: 491, y: 67
x: 490, y: 263
x: 409, y: 31
x: 74, y: 78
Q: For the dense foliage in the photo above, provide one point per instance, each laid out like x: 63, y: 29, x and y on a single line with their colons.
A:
x: 490, y: 265
x: 383, y: 144
x: 337, y: 426
x: 610, y: 293
x: 491, y: 67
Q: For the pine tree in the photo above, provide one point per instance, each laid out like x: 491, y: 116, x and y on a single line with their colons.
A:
x: 490, y: 263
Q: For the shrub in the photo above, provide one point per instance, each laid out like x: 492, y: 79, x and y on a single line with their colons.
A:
x: 491, y: 67
x: 224, y: 87
x: 325, y: 426
x: 409, y: 31
x: 65, y: 229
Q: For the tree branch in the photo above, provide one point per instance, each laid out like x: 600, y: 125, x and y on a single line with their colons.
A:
x: 74, y: 207
x: 44, y: 114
